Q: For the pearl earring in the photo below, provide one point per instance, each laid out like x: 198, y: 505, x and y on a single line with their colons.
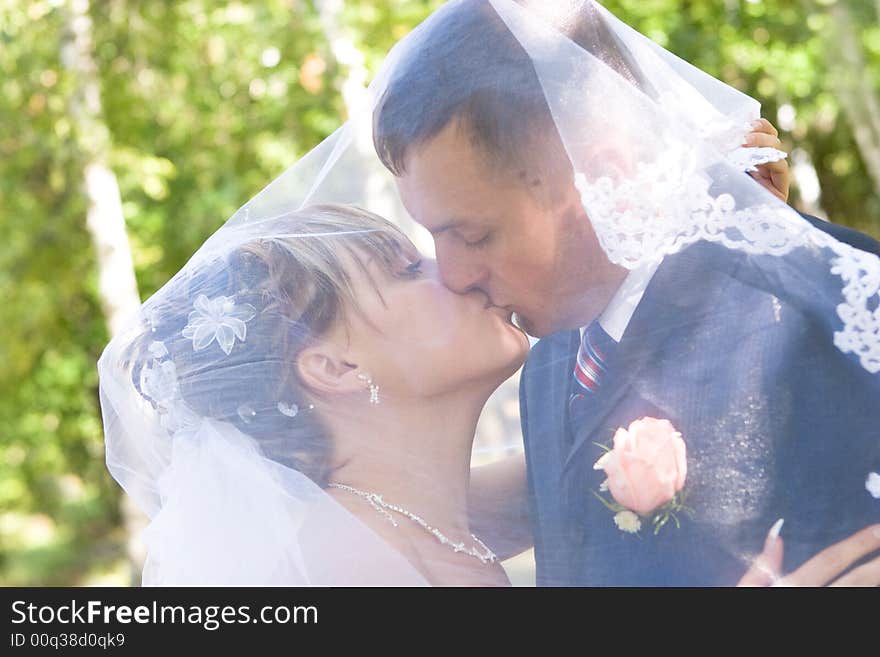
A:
x: 374, y: 389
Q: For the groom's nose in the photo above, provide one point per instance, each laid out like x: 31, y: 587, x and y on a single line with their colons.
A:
x: 460, y: 273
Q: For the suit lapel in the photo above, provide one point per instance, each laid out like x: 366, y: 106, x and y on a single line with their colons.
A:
x: 564, y: 357
x: 612, y: 391
x: 547, y: 408
x: 668, y: 305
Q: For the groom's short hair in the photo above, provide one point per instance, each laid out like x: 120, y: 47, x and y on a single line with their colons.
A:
x: 468, y: 67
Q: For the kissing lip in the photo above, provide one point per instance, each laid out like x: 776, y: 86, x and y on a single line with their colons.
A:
x: 491, y: 304
x: 504, y: 311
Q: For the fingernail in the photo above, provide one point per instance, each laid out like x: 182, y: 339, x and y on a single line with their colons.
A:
x: 776, y: 529
x: 877, y: 532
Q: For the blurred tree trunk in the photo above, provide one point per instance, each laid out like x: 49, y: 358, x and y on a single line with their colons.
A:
x: 379, y: 191
x: 807, y: 180
x: 346, y: 53
x: 104, y: 220
x: 852, y: 81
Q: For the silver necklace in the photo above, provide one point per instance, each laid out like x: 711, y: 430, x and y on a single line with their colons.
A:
x: 376, y: 501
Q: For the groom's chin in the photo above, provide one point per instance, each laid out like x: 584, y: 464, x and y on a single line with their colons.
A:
x: 528, y: 327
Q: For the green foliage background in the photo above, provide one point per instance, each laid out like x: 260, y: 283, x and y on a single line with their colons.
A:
x: 199, y: 117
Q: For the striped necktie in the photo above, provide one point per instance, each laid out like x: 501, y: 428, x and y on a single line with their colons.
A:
x: 594, y: 354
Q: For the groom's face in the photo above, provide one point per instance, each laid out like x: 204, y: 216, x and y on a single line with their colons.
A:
x: 518, y: 237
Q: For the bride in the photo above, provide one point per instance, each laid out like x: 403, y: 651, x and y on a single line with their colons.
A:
x: 331, y: 350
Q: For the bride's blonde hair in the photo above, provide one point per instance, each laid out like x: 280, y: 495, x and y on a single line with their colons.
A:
x: 299, y: 281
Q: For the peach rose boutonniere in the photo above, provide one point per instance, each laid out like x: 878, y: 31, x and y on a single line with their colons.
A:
x: 646, y: 470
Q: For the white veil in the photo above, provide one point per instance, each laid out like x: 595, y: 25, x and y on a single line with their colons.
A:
x: 222, y: 512
x: 659, y: 166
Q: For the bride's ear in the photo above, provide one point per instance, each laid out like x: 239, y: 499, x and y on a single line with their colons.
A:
x: 324, y: 370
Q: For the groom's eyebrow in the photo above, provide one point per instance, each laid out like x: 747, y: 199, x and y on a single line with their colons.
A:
x: 452, y: 223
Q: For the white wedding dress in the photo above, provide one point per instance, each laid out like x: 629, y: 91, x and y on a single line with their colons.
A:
x: 273, y: 527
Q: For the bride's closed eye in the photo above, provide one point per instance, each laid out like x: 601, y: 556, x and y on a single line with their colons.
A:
x: 414, y: 268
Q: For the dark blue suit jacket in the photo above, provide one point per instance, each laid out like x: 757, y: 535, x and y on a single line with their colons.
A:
x: 778, y: 423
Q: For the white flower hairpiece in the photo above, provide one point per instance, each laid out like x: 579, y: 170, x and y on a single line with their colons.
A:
x: 218, y: 318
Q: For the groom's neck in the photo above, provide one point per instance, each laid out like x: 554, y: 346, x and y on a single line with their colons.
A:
x: 591, y: 303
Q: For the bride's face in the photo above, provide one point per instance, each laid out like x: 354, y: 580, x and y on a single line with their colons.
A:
x: 418, y: 339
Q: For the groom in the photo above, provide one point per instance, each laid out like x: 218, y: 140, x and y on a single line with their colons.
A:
x: 777, y: 421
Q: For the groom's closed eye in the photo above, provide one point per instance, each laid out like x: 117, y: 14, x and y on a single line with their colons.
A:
x: 460, y: 224
x: 479, y: 243
x: 472, y: 235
